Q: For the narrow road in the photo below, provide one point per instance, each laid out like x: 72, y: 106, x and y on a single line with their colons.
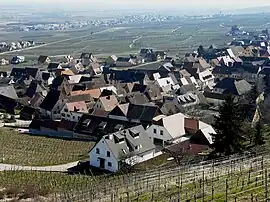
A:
x: 176, y: 29
x: 56, y: 42
x: 134, y: 41
x: 56, y: 168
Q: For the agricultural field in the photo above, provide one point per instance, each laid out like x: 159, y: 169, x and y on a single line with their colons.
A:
x: 177, y: 37
x: 243, y: 178
x: 22, y: 149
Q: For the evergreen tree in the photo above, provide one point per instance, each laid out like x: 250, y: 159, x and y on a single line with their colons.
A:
x: 252, y: 95
x: 228, y: 124
x: 258, y: 139
x: 267, y: 84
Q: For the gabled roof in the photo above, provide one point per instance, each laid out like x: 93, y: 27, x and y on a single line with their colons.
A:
x: 134, y: 141
x: 50, y: 100
x: 231, y: 85
x: 123, y: 59
x: 95, y: 93
x: 109, y: 102
x: 137, y: 98
x: 8, y: 91
x: 89, y: 125
x: 86, y: 55
x: 33, y: 88
x: 184, y: 73
x: 53, y: 66
x: 28, y: 71
x: 139, y: 88
x: 174, y: 124
x: 77, y: 107
x: 127, y: 76
x: 143, y: 113
x: 190, y: 59
x: 42, y: 59
x: 31, y: 71
x: 169, y: 108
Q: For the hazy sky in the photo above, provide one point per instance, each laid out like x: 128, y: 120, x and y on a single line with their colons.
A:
x: 181, y: 4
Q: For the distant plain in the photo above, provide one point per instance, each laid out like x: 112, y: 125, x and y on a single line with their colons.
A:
x: 176, y: 37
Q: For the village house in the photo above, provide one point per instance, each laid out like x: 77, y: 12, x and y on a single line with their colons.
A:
x: 145, y: 51
x: 52, y: 105
x: 73, y: 111
x: 178, y: 128
x: 17, y: 60
x: 44, y: 59
x: 111, y: 61
x: 28, y: 113
x: 225, y: 87
x: 141, y: 114
x: 107, y: 103
x: 93, y: 127
x: 167, y: 84
x: 128, y: 77
x: 52, y: 67
x: 87, y: 59
x: 130, y: 146
x: 125, y: 62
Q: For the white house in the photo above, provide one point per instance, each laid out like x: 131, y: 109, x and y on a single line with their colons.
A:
x: 178, y: 128
x: 129, y: 146
x: 207, y: 78
x: 167, y: 128
x: 167, y: 84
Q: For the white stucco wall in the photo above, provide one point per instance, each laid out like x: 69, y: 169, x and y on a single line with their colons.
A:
x: 70, y: 116
x: 103, y: 148
x: 150, y: 131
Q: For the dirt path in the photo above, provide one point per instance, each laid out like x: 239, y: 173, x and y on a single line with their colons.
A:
x: 56, y: 168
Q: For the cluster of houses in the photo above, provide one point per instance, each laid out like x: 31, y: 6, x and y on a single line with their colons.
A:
x: 5, y: 47
x: 133, y: 113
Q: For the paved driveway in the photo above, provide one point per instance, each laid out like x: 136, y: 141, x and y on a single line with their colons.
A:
x: 56, y: 168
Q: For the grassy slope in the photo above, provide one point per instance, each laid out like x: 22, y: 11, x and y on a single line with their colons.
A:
x: 21, y: 149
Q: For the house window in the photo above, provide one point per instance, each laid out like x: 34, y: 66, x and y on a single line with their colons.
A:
x: 108, y: 154
x: 68, y: 115
x: 161, y: 132
x: 109, y: 164
x: 155, y: 131
x: 63, y: 115
x: 73, y: 117
x: 97, y: 150
x: 66, y: 110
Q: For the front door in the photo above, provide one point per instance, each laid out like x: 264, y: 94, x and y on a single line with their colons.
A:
x: 102, y: 163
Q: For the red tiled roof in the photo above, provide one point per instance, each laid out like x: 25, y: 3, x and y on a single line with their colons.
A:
x: 95, y: 93
x: 77, y: 106
x: 187, y: 148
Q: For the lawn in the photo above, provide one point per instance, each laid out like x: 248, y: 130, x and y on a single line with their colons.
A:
x: 22, y: 149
